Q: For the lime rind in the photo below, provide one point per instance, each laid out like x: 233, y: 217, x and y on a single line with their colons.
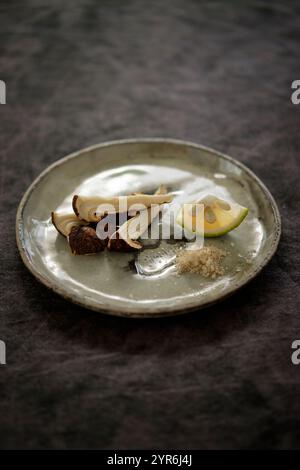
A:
x: 229, y: 227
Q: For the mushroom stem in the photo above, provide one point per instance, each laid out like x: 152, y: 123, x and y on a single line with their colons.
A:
x: 134, y: 228
x: 93, y: 208
x: 64, y: 222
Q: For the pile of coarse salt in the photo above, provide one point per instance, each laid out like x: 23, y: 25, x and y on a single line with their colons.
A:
x: 205, y: 261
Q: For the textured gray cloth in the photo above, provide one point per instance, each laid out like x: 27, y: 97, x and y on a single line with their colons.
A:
x: 217, y: 73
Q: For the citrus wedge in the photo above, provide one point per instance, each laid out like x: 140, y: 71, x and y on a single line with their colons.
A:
x: 211, y: 216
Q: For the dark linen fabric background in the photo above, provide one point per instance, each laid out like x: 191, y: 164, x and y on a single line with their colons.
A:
x: 217, y: 73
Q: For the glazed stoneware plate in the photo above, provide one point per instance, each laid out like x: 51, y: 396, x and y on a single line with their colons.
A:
x: 145, y: 284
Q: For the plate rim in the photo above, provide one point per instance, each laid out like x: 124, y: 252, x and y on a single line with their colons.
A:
x: 153, y: 311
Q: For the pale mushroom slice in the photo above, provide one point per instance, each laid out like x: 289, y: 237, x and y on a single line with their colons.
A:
x: 65, y: 221
x: 139, y: 207
x: 123, y: 238
x: 134, y: 228
x: 93, y: 208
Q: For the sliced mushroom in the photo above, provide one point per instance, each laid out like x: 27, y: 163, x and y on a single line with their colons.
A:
x: 121, y: 239
x: 92, y: 208
x: 133, y: 229
x: 84, y: 241
x: 64, y: 222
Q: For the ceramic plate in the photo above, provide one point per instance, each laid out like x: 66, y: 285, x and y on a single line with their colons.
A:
x: 146, y: 284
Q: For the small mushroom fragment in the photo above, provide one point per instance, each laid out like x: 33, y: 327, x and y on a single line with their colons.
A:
x: 92, y: 208
x: 133, y: 229
x: 161, y: 190
x: 64, y: 222
x: 118, y: 244
x: 84, y: 241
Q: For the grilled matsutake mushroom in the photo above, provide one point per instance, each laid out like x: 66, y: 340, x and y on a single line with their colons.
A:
x: 87, y: 207
x: 125, y: 238
x: 81, y: 234
x: 83, y: 240
x: 64, y: 222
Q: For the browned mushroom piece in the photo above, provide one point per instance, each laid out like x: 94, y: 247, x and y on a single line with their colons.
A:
x: 84, y: 241
x: 121, y: 245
